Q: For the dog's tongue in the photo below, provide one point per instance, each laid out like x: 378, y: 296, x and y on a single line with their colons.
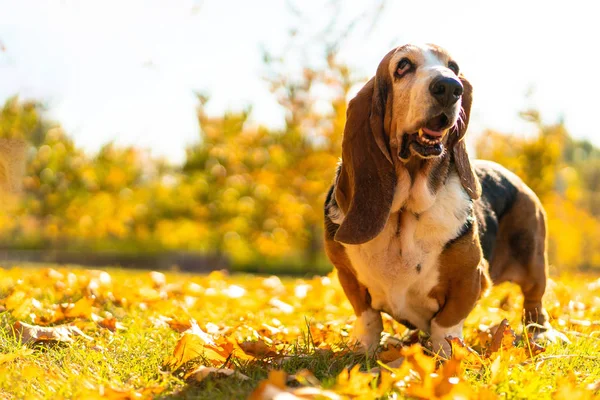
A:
x: 432, y: 132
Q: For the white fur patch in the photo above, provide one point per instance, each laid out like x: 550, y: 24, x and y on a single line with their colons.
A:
x: 403, y: 185
x: 400, y: 268
x: 421, y: 198
x: 367, y: 330
x: 336, y: 214
x: 438, y: 337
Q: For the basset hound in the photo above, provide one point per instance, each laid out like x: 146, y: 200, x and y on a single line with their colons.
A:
x: 415, y: 228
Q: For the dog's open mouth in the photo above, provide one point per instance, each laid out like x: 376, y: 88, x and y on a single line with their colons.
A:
x: 427, y: 142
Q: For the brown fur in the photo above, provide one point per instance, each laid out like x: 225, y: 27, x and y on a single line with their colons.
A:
x: 462, y: 279
x: 366, y: 183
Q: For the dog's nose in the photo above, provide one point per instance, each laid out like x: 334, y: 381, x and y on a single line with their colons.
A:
x: 446, y: 90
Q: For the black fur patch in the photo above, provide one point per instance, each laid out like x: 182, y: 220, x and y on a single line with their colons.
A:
x: 498, y: 196
x: 331, y: 227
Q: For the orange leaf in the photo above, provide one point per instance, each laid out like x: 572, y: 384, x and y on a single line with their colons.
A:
x: 392, y: 353
x: 277, y: 378
x: 258, y: 349
x: 503, y: 337
x: 179, y: 326
x: 111, y: 324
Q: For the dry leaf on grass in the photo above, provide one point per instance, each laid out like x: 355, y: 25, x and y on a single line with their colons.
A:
x: 159, y: 279
x: 259, y: 349
x: 391, y: 353
x: 111, y: 324
x: 81, y: 309
x: 200, y: 373
x: 106, y: 392
x: 503, y: 337
x: 33, y: 333
x: 179, y: 326
x: 23, y: 352
x: 274, y: 388
x: 195, y: 343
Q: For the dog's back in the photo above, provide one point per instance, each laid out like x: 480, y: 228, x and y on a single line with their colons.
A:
x: 512, y: 231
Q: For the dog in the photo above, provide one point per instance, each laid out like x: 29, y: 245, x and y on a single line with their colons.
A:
x: 415, y: 228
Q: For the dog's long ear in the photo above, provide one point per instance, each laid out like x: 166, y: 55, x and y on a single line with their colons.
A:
x: 467, y: 175
x: 367, y: 181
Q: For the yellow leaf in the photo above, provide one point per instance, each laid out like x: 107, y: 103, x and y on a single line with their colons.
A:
x: 81, y: 309
x: 277, y: 378
x: 187, y: 348
x: 23, y: 352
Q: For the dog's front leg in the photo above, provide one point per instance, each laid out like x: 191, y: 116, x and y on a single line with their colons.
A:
x: 460, y: 298
x: 368, y: 326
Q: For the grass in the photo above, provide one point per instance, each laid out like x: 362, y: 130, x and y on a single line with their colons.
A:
x: 307, y: 326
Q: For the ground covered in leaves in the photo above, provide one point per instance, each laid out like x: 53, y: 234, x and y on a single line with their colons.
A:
x: 75, y: 333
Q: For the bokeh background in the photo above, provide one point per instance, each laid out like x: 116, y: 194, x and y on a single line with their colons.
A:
x: 205, y: 133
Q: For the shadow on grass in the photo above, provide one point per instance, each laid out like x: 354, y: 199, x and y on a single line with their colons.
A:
x: 324, y: 364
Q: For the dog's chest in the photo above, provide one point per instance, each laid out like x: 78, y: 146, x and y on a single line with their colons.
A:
x: 400, y: 266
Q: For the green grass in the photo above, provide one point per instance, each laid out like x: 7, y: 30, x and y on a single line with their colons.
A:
x: 312, y: 337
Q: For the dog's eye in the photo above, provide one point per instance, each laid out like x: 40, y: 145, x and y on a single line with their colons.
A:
x: 404, y: 66
x: 453, y: 66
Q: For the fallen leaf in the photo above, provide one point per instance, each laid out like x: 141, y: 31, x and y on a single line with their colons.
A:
x: 503, y: 337
x: 33, y: 333
x: 200, y: 373
x: 593, y: 386
x: 19, y: 304
x: 195, y: 343
x: 111, y: 324
x: 258, y: 349
x: 569, y: 390
x: 159, y: 279
x: 179, y: 326
x: 282, y: 306
x: 391, y: 353
x: 111, y: 393
x: 533, y: 347
x: 23, y: 352
x: 81, y: 309
x: 187, y: 348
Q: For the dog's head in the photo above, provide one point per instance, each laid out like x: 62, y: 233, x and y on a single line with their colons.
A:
x: 417, y: 105
x: 426, y: 99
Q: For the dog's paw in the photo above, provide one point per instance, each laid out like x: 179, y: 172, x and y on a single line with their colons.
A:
x: 367, y: 332
x: 550, y: 335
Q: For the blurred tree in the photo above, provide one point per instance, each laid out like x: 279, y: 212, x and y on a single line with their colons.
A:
x: 22, y: 119
x: 565, y: 174
x: 255, y: 194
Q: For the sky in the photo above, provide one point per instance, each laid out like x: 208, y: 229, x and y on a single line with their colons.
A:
x: 127, y: 70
